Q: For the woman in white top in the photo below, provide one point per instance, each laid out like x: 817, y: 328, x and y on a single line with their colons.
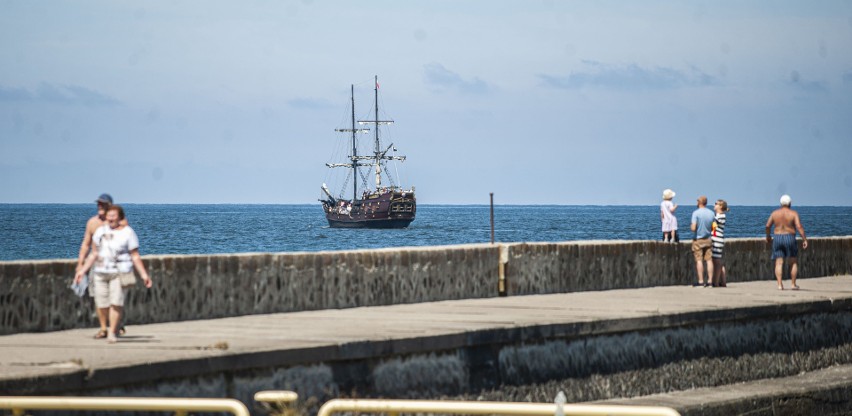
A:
x: 116, y: 253
x: 667, y: 209
x: 718, y: 240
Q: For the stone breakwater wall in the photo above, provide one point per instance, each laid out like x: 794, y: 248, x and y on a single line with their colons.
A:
x: 538, y: 268
x: 34, y: 295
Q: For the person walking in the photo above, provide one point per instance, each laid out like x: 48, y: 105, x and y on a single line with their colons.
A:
x: 720, y: 277
x: 667, y: 217
x: 115, y: 255
x: 702, y: 221
x: 783, y: 240
x: 104, y: 201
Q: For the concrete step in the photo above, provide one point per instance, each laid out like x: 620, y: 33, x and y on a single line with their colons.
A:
x: 826, y: 392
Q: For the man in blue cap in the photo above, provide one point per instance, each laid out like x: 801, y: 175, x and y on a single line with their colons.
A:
x: 104, y: 201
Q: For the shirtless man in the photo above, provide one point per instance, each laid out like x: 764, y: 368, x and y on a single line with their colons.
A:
x: 104, y: 202
x: 786, y: 222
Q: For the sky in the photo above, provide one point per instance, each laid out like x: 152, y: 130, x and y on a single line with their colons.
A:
x: 539, y: 102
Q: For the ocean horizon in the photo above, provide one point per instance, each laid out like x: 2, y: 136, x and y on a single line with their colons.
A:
x: 31, y: 231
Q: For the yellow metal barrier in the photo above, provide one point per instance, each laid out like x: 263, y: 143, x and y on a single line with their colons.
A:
x: 157, y: 404
x: 276, y: 396
x: 277, y: 401
x: 394, y: 407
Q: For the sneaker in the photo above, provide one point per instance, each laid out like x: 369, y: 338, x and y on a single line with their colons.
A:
x: 111, y: 338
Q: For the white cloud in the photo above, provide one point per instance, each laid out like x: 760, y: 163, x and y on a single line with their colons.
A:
x: 630, y: 77
x: 440, y: 78
x: 796, y: 80
x: 309, y: 103
x: 57, y: 94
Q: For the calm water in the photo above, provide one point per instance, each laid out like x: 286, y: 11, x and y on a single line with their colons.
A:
x: 44, y: 231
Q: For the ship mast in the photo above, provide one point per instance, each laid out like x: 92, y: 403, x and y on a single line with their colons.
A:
x: 354, y: 146
x: 354, y: 157
x: 378, y: 153
x: 377, y: 150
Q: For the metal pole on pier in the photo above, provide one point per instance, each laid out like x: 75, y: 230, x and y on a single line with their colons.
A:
x: 504, y: 257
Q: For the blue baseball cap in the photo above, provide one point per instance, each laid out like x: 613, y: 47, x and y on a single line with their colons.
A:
x: 105, y: 198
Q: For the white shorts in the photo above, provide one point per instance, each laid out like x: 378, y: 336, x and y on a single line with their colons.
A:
x: 108, y: 290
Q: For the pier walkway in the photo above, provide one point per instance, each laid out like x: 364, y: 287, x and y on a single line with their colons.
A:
x: 71, y: 361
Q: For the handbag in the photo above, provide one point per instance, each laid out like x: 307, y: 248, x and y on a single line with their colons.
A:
x: 127, y: 279
x: 81, y: 288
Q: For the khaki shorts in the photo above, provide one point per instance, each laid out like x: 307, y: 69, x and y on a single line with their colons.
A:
x: 701, y: 249
x: 108, y: 290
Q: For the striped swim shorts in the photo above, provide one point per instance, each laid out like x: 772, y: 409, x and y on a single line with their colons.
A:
x: 784, y: 245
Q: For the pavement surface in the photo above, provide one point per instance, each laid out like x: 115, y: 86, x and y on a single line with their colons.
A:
x: 316, y: 336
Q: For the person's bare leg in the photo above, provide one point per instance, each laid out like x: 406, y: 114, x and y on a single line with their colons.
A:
x: 723, y: 275
x: 717, y: 271
x: 710, y: 272
x: 699, y: 267
x: 779, y: 270
x: 794, y: 271
x: 118, y: 324
x: 114, y: 319
x: 102, y: 313
x: 102, y: 318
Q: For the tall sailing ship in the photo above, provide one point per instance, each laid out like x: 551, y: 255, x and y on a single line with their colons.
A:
x: 387, y: 205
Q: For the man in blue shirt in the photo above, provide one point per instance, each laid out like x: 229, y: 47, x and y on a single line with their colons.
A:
x: 702, y: 223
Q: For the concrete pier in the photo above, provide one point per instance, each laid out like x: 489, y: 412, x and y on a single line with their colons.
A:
x: 680, y: 337
x: 599, y: 320
x: 34, y: 295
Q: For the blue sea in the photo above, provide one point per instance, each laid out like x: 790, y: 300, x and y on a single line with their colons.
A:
x: 48, y: 231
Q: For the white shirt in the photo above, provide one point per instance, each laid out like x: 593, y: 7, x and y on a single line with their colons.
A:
x: 114, y: 247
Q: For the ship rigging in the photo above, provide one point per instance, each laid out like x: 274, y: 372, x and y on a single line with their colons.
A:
x: 383, y: 206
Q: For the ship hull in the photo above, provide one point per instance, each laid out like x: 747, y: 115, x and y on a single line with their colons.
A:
x: 387, y: 210
x: 373, y: 223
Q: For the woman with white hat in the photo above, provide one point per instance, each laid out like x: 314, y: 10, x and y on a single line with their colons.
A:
x: 667, y: 209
